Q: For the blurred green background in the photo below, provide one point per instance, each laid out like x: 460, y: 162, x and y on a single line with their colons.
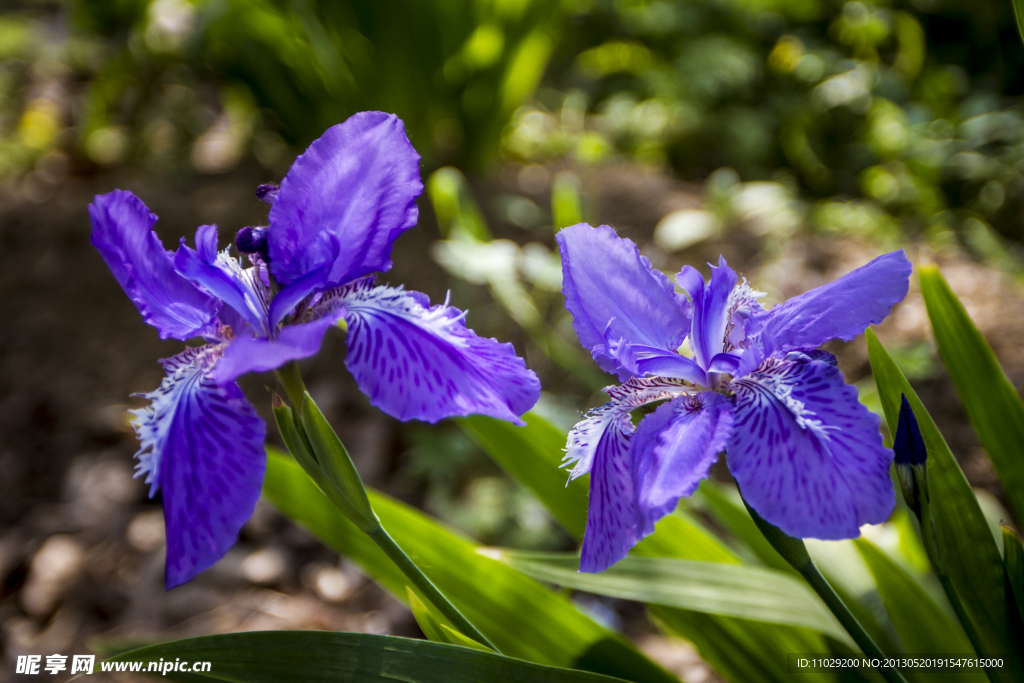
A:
x: 880, y: 118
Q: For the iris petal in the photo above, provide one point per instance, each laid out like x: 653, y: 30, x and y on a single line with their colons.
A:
x: 710, y: 317
x: 615, y: 295
x: 807, y: 455
x: 839, y: 310
x: 599, y: 445
x: 224, y: 277
x: 122, y: 233
x: 357, y: 186
x: 202, y: 444
x: 419, y: 362
x: 672, y: 451
x: 257, y: 354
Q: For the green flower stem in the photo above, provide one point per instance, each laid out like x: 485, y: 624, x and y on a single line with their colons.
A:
x: 810, y: 572
x: 795, y: 552
x: 420, y: 580
x: 316, y: 446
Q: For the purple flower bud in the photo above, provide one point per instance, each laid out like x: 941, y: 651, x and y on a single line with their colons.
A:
x: 908, y: 443
x: 911, y: 458
x: 267, y: 192
x: 252, y: 241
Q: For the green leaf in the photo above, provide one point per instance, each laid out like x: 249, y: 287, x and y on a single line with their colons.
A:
x: 312, y: 656
x: 725, y: 505
x: 730, y: 590
x: 971, y: 568
x: 739, y: 650
x: 992, y: 403
x: 456, y: 638
x: 428, y: 619
x: 923, y: 625
x: 533, y: 455
x: 520, y: 616
x: 336, y: 464
x: 1013, y: 559
x: 1018, y: 13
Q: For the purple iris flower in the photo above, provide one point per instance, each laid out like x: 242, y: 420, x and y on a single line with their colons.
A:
x: 806, y: 454
x: 333, y: 221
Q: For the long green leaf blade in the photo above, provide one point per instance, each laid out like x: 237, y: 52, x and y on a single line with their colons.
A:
x: 971, y: 560
x: 315, y: 656
x: 523, y: 618
x: 992, y: 403
x: 732, y: 590
x: 922, y: 625
x: 740, y: 650
x: 1013, y: 559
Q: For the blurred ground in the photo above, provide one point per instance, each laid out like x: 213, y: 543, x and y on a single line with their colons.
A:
x: 80, y: 544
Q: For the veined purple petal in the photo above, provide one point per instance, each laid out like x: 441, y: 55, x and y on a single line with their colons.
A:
x: 611, y: 515
x: 202, y: 444
x: 710, y: 311
x: 644, y: 361
x: 599, y: 445
x: 614, y: 294
x: 839, y: 310
x: 806, y: 453
x: 223, y: 276
x: 122, y: 233
x: 415, y: 362
x: 357, y: 184
x: 257, y: 354
x: 672, y: 451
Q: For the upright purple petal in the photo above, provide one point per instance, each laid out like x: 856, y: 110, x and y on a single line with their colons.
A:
x: 257, y: 354
x: 673, y: 450
x: 839, y: 310
x: 710, y: 311
x: 599, y: 445
x: 122, y: 233
x: 223, y: 276
x: 356, y: 185
x: 415, y: 362
x: 615, y: 295
x: 202, y: 444
x: 806, y: 453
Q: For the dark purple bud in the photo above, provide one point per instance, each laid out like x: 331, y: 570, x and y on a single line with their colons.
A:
x: 252, y: 241
x: 908, y: 442
x: 911, y: 459
x: 267, y: 192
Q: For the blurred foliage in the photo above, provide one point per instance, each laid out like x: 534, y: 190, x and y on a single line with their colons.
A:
x: 880, y: 118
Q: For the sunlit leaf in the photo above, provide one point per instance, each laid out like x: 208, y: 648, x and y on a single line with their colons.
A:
x: 741, y: 651
x: 922, y: 625
x: 521, y: 617
x: 713, y: 588
x: 992, y: 403
x: 972, y: 569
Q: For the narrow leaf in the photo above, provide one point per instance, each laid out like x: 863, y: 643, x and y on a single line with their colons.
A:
x: 429, y: 623
x: 971, y: 568
x: 992, y: 403
x: 1013, y: 559
x: 731, y: 590
x: 347, y: 489
x: 741, y: 651
x: 923, y: 625
x: 520, y: 616
x: 318, y: 656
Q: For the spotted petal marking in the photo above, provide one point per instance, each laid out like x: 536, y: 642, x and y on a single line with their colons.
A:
x: 806, y: 453
x: 420, y: 362
x: 202, y: 444
x: 584, y: 438
x: 599, y: 444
